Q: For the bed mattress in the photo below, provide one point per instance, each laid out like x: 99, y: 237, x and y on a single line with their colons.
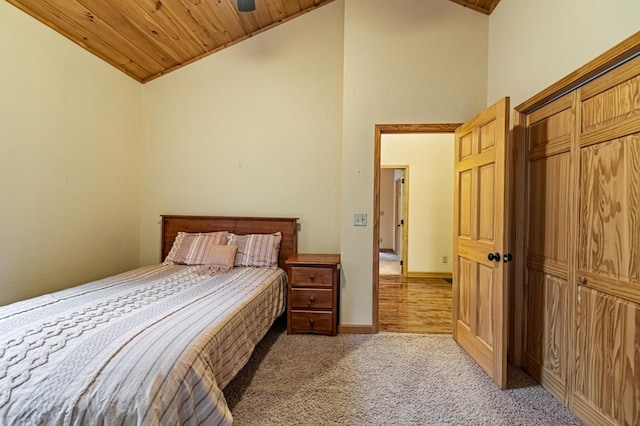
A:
x: 152, y: 346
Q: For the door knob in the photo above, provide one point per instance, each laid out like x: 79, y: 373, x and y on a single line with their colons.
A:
x: 494, y: 256
x: 507, y: 258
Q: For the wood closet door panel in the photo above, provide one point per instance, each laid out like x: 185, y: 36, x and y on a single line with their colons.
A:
x: 607, y: 306
x: 549, y: 209
x: 607, y: 359
x: 546, y: 351
x: 611, y: 101
x: 550, y: 132
x: 610, y: 213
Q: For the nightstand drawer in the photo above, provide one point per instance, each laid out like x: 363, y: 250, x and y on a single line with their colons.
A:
x: 312, y: 322
x: 311, y: 298
x: 302, y: 276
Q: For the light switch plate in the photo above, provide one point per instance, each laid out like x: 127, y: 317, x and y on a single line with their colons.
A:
x: 359, y: 219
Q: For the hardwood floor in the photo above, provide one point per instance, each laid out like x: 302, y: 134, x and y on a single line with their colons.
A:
x: 415, y: 305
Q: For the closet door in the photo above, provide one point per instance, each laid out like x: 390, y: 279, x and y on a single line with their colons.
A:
x: 607, y: 311
x: 550, y: 133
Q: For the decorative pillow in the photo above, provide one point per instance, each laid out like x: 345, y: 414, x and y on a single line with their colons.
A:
x: 220, y: 257
x: 260, y: 250
x: 191, y: 249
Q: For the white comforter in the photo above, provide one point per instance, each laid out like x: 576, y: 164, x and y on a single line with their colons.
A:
x: 151, y: 346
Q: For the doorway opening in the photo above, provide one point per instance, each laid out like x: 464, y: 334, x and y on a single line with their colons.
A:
x: 394, y: 220
x: 406, y: 284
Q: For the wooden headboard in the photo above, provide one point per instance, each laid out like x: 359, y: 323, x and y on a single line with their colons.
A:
x: 172, y: 224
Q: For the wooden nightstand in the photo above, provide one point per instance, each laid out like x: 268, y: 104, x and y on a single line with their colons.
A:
x: 314, y: 287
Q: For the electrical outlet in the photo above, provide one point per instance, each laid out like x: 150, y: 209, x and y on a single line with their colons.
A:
x: 445, y: 258
x: 359, y: 219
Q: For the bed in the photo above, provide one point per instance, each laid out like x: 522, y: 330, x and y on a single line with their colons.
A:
x: 152, y: 346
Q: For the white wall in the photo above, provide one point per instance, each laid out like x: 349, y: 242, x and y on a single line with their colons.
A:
x: 253, y: 130
x: 70, y: 137
x: 407, y: 61
x: 533, y: 44
x: 430, y: 222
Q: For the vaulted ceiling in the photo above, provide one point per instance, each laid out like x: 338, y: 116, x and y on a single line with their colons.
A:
x: 148, y: 38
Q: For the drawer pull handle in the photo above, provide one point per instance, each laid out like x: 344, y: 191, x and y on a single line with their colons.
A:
x: 311, y: 322
x: 311, y: 300
x: 312, y: 277
x: 582, y: 280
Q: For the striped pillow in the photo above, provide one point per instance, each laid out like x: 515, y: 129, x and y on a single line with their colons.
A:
x: 259, y: 250
x: 193, y: 249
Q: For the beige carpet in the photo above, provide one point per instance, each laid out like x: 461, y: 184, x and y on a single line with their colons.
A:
x: 384, y: 379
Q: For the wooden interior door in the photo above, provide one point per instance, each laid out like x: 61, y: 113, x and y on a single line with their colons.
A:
x: 397, y: 245
x: 400, y: 222
x: 550, y: 133
x: 480, y: 240
x: 607, y: 276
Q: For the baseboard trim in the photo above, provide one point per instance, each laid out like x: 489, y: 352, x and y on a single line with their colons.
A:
x: 411, y: 274
x: 586, y: 411
x: 355, y: 329
x: 387, y: 250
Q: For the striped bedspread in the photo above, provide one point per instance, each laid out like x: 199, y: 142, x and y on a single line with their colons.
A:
x: 153, y: 346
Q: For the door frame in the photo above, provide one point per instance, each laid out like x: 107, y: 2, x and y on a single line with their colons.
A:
x: 381, y: 129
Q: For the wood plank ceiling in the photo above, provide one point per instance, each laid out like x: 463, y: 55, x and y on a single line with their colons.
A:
x: 483, y: 6
x: 149, y: 38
